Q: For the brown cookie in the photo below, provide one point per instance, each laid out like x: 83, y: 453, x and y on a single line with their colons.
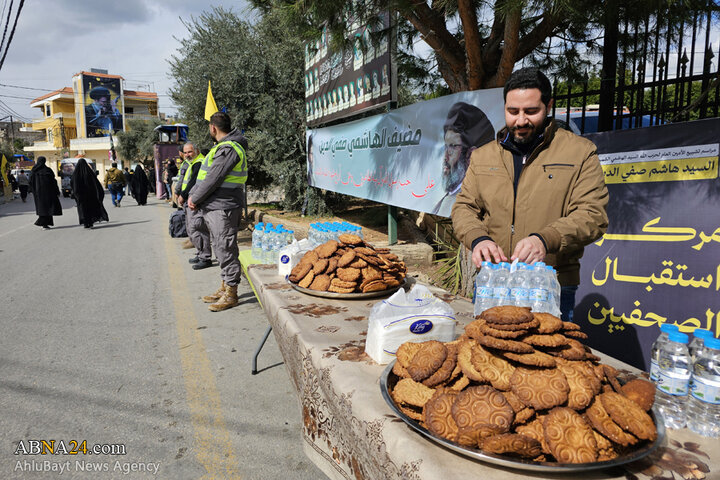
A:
x: 482, y: 405
x: 332, y: 265
x: 507, y: 314
x: 307, y: 280
x: 541, y: 389
x: 400, y: 371
x: 300, y: 270
x: 320, y: 283
x: 310, y: 257
x: 493, y: 368
x: 406, y: 352
x: 573, y: 350
x: 371, y: 273
x: 458, y: 383
x: 514, y: 326
x: 546, y: 340
x: 606, y: 449
x: 569, y: 436
x: 348, y: 274
x: 534, y: 429
x: 446, y: 369
x: 411, y: 392
x: 350, y: 239
x: 524, y: 415
x: 504, y: 345
x: 629, y: 416
x: 437, y: 414
x: 346, y: 258
x: 480, y: 327
x: 429, y: 358
x: 601, y: 421
x: 640, y: 391
x: 575, y: 334
x: 338, y: 283
x: 365, y: 251
x: 581, y: 388
x: 358, y: 263
x: 371, y: 259
x: 374, y: 286
x: 327, y: 249
x: 548, y: 323
x: 535, y: 359
x: 410, y: 411
x: 337, y: 289
x: 472, y: 436
x: 465, y: 361
x: 320, y: 266
x: 513, y: 444
x: 570, y: 326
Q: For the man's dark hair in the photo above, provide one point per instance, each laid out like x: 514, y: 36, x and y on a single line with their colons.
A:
x: 529, y: 77
x: 221, y: 120
x: 114, y: 164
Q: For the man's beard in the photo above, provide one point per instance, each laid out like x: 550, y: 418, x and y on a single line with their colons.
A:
x: 454, y: 177
x: 534, y: 133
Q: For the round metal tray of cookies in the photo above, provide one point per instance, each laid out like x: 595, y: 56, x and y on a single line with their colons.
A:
x: 347, y: 296
x: 389, y: 379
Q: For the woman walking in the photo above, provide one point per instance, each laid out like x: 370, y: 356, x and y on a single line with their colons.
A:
x: 46, y: 194
x: 140, y: 184
x: 88, y: 194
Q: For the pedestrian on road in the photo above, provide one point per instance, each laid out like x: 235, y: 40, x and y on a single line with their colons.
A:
x: 194, y: 223
x: 128, y: 181
x: 23, y: 184
x: 88, y: 195
x: 140, y: 185
x: 46, y: 193
x: 218, y: 195
x: 537, y: 192
x: 115, y: 182
x: 151, y: 177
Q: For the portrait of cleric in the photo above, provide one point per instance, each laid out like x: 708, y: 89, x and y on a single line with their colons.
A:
x: 102, y: 115
x: 466, y: 128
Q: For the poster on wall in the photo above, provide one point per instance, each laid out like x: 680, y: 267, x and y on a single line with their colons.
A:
x: 339, y: 84
x: 413, y: 157
x: 103, y: 105
x: 659, y: 261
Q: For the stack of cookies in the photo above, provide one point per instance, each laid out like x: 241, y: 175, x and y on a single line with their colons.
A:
x: 348, y: 266
x: 523, y: 385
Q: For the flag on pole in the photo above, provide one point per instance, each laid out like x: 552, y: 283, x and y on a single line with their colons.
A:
x: 210, y: 105
x: 3, y: 167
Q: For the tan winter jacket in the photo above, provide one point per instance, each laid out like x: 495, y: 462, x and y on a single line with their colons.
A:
x: 561, y: 196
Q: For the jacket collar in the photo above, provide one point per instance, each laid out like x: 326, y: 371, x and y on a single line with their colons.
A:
x: 503, y: 138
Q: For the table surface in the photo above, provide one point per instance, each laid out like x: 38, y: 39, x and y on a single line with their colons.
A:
x: 351, y: 433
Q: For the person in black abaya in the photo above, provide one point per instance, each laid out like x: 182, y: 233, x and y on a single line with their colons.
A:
x: 140, y: 185
x: 46, y: 193
x: 88, y: 194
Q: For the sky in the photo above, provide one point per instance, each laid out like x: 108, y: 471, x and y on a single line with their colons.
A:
x: 56, y: 39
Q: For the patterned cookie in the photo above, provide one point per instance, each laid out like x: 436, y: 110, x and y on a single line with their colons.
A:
x: 601, y: 421
x: 611, y: 375
x: 569, y: 436
x: 534, y: 429
x: 640, y: 391
x: 320, y: 266
x: 548, y: 323
x: 573, y: 350
x: 459, y: 383
x: 350, y: 239
x: 514, y: 326
x: 507, y: 314
x: 346, y: 258
x: 504, y: 345
x: 629, y: 416
x: 465, y: 361
x: 606, y: 451
x: 494, y: 369
x: 513, y: 444
x: 541, y: 389
x: 406, y: 352
x: 400, y: 371
x: 472, y: 436
x: 535, y: 359
x: 446, y: 369
x: 320, y: 283
x: 307, y: 280
x: 429, y: 357
x: 327, y: 249
x: 546, y: 340
x: 524, y: 415
x: 482, y: 405
x: 411, y: 392
x: 581, y: 388
x: 437, y: 414
x: 480, y: 327
x: 348, y: 274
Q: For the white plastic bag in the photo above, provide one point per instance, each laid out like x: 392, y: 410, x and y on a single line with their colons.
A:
x: 415, y: 316
x: 290, y: 255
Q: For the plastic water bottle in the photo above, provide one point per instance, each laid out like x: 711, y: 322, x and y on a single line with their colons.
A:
x: 483, y: 288
x: 673, y: 380
x: 697, y: 343
x: 257, y: 234
x: 519, y: 286
x: 554, y: 290
x: 500, y: 284
x: 267, y: 239
x: 703, y: 406
x: 538, y: 289
x: 665, y: 330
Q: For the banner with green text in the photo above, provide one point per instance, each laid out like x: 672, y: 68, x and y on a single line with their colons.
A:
x: 660, y: 258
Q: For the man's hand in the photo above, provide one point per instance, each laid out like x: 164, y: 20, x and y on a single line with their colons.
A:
x: 180, y: 200
x: 487, y: 250
x: 191, y: 204
x: 529, y: 250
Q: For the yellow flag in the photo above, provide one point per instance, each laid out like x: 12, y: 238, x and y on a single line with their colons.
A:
x: 2, y: 169
x: 210, y: 105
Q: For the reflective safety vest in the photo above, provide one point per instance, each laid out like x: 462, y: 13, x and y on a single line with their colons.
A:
x: 188, y: 172
x: 237, y: 176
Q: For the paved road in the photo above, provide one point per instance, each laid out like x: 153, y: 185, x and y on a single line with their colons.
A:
x: 105, y: 341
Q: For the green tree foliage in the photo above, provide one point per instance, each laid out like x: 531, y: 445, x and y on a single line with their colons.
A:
x: 136, y: 143
x: 256, y: 73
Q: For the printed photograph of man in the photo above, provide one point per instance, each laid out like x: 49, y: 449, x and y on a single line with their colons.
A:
x: 466, y: 128
x: 102, y: 116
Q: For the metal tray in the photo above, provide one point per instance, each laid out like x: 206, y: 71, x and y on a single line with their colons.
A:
x: 388, y: 380
x: 347, y: 296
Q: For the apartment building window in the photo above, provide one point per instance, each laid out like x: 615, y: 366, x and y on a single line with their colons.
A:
x: 47, y: 109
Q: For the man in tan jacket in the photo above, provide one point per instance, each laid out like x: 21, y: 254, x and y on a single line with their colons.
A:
x: 537, y: 193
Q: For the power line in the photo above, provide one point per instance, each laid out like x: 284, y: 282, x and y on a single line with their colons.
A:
x: 12, y: 33
x: 7, y: 23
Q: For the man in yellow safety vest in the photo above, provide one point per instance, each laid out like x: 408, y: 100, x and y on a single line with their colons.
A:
x: 194, y: 223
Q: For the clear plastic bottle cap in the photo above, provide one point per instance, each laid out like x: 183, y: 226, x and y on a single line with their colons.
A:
x: 678, y: 337
x: 486, y: 264
x: 702, y: 333
x: 505, y: 265
x: 712, y: 342
x: 669, y: 327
